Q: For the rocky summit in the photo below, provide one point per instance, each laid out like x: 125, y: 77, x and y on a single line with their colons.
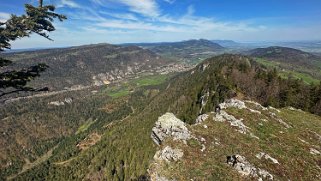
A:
x: 237, y: 128
x: 169, y: 126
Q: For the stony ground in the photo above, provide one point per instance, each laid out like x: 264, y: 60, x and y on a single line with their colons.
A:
x: 244, y: 141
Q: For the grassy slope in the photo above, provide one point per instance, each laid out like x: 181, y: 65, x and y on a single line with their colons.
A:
x: 124, y: 88
x: 285, y: 73
x: 280, y: 143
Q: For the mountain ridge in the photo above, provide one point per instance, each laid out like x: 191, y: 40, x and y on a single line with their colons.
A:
x: 88, y: 65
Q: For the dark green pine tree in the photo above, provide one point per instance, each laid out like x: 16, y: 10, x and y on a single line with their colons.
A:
x: 35, y: 20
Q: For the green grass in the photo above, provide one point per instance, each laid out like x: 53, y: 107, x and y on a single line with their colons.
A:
x: 118, y: 93
x: 125, y: 88
x: 267, y: 63
x: 305, y: 77
x: 150, y: 80
x: 286, y: 73
x: 85, y: 126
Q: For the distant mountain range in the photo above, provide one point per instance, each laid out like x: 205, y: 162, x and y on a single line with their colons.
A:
x: 88, y: 65
x: 190, y: 51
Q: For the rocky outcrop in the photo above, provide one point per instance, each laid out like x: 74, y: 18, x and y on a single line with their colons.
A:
x: 245, y: 168
x: 204, y: 100
x: 267, y: 157
x: 233, y: 103
x: 224, y: 116
x: 257, y: 105
x: 169, y: 154
x: 201, y: 118
x: 57, y: 103
x: 68, y: 100
x: 169, y: 126
x: 161, y: 178
x: 61, y: 103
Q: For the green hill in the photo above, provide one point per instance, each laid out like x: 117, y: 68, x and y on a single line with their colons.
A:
x: 290, y: 62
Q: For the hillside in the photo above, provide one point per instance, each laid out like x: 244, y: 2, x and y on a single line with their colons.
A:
x: 296, y: 62
x: 124, y: 150
x: 33, y: 128
x: 190, y: 51
x: 267, y: 143
x: 286, y: 55
x: 91, y: 65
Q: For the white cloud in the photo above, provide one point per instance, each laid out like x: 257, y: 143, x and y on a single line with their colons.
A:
x: 124, y: 16
x: 190, y: 10
x: 144, y: 21
x: 99, y: 2
x: 148, y: 8
x: 170, y: 1
x: 4, y: 16
x: 130, y: 25
x: 68, y: 3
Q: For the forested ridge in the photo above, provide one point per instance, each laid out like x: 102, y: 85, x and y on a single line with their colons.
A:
x: 125, y: 149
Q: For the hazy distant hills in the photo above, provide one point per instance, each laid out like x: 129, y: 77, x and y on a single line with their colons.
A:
x: 227, y: 43
x: 88, y: 65
x: 182, y: 44
x: 190, y: 51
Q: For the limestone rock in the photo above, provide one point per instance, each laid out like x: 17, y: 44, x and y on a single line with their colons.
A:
x: 57, y: 103
x: 169, y: 126
x: 267, y: 157
x: 160, y: 178
x: 68, y: 100
x: 274, y: 109
x: 314, y: 151
x: 245, y: 168
x: 257, y: 105
x: 224, y: 116
x: 201, y: 118
x: 233, y: 103
x: 169, y: 154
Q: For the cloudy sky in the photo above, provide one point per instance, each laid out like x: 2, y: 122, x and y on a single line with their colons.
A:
x: 123, y: 21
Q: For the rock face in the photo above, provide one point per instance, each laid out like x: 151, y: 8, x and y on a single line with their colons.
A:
x: 169, y: 126
x: 233, y: 103
x: 241, y: 165
x: 169, y: 154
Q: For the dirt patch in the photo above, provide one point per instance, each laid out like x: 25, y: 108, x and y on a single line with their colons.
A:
x: 89, y: 141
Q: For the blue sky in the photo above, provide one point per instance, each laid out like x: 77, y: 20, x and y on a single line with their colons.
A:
x: 122, y: 21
